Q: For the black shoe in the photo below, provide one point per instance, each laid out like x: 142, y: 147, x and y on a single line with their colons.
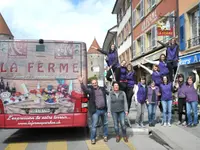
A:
x: 150, y: 124
x: 189, y: 125
x: 194, y: 125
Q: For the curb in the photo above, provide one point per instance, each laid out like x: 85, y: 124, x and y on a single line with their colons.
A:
x: 164, y: 140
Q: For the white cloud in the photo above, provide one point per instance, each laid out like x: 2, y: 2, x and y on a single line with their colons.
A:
x: 59, y: 19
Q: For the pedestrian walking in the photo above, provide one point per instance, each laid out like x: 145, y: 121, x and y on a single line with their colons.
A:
x: 152, y: 101
x: 190, y: 91
x: 140, y: 94
x: 166, y: 89
x: 172, y: 54
x: 130, y: 76
x: 97, y: 107
x: 111, y: 60
x: 161, y: 63
x: 179, y: 86
x: 120, y: 75
x: 117, y: 106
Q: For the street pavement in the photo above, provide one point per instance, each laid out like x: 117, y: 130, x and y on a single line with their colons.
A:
x: 157, y: 138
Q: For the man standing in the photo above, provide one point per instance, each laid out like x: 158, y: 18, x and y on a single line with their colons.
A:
x: 97, y: 107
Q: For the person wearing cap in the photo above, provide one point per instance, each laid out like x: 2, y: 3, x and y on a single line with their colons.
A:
x: 172, y: 54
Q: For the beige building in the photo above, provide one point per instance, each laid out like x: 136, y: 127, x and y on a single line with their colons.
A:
x: 5, y: 33
x: 189, y: 12
x: 95, y: 62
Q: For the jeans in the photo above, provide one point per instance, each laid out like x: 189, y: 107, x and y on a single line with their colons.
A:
x: 140, y: 113
x: 95, y: 119
x: 151, y: 112
x: 119, y: 117
x: 194, y: 107
x: 167, y: 110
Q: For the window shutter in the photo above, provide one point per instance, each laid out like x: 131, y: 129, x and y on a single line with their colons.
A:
x: 182, y: 32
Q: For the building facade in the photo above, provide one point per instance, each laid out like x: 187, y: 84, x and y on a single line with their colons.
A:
x: 146, y: 16
x: 189, y: 12
x: 5, y: 33
x: 95, y: 62
x: 122, y: 9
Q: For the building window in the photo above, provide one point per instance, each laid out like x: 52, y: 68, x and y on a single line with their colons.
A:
x: 134, y: 50
x: 151, y: 5
x: 129, y: 26
x: 126, y: 4
x: 141, y: 9
x: 127, y: 55
x: 134, y: 18
x: 149, y: 41
x: 122, y: 13
x: 195, y: 29
x: 140, y: 43
x: 118, y: 18
x: 91, y: 63
x: 154, y: 36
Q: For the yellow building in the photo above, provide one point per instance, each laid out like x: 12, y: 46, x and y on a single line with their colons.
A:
x: 189, y: 36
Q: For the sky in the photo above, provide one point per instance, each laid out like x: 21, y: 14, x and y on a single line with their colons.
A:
x: 73, y: 20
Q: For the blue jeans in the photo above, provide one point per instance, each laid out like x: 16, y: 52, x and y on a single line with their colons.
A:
x: 151, y: 112
x: 119, y: 117
x: 167, y: 110
x: 104, y: 119
x: 194, y: 107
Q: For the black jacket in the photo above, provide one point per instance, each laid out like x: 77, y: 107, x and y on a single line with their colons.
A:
x: 90, y: 91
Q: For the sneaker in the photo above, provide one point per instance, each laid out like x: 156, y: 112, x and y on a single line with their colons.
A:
x: 142, y: 125
x: 189, y: 125
x: 125, y: 139
x: 117, y: 139
x: 194, y: 125
x: 169, y: 124
x: 184, y: 123
x: 150, y: 125
x: 93, y: 142
x: 137, y: 125
x: 105, y: 138
x: 165, y: 124
x: 179, y: 123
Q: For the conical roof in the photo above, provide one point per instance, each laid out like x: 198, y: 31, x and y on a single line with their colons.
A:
x: 4, y: 27
x: 92, y: 50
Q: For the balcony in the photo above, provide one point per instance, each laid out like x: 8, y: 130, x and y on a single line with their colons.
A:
x: 194, y: 42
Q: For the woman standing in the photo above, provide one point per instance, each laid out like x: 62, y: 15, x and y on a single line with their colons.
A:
x: 120, y: 75
x: 190, y: 91
x: 181, y: 99
x: 117, y: 105
x: 164, y: 71
x: 152, y: 101
x: 130, y: 76
x: 172, y: 54
x: 140, y: 94
x: 166, y: 99
x: 112, y: 60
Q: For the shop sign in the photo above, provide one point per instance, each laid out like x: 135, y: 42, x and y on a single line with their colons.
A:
x: 195, y: 58
x: 164, y: 29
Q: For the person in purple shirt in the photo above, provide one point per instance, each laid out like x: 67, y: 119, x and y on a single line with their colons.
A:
x: 130, y: 76
x: 120, y: 75
x: 179, y: 86
x: 111, y: 60
x: 166, y: 89
x: 172, y: 54
x: 140, y: 95
x: 161, y: 63
x: 152, y: 101
x: 190, y: 91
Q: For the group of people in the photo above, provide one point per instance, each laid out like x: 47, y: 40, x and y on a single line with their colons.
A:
x: 159, y: 92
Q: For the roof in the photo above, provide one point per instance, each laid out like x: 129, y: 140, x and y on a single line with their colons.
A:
x: 4, y: 27
x: 92, y: 50
x: 118, y: 4
x: 109, y: 36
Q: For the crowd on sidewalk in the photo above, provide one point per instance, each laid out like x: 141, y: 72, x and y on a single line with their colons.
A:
x: 158, y: 93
